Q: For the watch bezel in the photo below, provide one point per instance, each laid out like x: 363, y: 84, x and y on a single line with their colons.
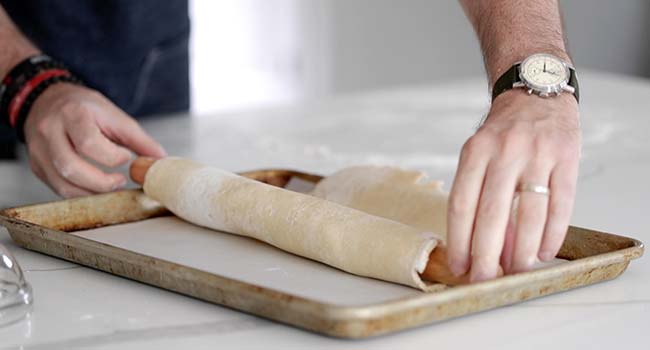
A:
x: 545, y: 90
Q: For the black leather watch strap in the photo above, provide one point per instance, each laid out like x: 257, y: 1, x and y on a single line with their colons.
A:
x: 506, y: 81
x: 511, y: 76
x: 573, y: 82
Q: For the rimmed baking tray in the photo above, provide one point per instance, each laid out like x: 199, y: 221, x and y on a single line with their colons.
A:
x: 48, y: 228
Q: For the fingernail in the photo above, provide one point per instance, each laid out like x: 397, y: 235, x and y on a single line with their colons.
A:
x: 119, y: 184
x: 456, y: 270
x: 477, y: 276
x: 546, y: 256
x: 163, y: 153
x: 523, y: 266
x: 482, y: 273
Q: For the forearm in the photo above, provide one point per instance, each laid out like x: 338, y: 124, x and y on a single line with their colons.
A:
x: 15, y: 46
x: 511, y: 30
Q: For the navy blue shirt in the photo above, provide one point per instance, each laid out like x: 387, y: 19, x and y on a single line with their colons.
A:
x: 133, y: 51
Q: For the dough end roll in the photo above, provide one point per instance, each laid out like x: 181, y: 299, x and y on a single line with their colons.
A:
x: 436, y: 269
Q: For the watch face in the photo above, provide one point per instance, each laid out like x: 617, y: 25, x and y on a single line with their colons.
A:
x: 544, y: 73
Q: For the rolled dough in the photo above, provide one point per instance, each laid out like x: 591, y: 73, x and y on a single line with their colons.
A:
x: 392, y: 193
x: 346, y: 238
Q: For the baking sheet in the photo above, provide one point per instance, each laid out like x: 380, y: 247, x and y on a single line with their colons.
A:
x: 120, y: 233
x: 248, y: 260
x: 245, y: 259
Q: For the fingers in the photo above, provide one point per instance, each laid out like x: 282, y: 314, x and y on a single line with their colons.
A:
x: 68, y: 123
x: 520, y: 132
x: 43, y: 168
x: 463, y: 201
x: 509, y: 240
x: 562, y: 192
x: 89, y: 135
x: 129, y: 134
x: 88, y: 140
x: 531, y: 217
x: 74, y: 169
x: 61, y: 186
x: 491, y: 220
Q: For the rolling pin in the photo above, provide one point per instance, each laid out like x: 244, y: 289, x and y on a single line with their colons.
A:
x: 436, y: 269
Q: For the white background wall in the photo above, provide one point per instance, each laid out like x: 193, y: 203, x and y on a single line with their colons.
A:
x: 248, y: 53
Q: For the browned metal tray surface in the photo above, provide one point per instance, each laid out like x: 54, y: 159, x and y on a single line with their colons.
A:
x: 47, y: 228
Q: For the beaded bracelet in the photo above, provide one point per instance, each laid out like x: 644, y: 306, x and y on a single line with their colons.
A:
x: 24, y: 84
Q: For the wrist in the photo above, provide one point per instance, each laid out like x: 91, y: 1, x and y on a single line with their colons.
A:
x: 518, y: 106
x: 563, y: 106
x: 17, y: 50
x: 25, y: 83
x: 541, y: 74
x: 54, y: 97
x: 510, y: 57
x: 511, y: 95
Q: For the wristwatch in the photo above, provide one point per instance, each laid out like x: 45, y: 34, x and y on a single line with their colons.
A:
x: 542, y: 74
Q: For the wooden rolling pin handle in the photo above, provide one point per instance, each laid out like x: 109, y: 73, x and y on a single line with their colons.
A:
x: 436, y: 270
x: 139, y: 168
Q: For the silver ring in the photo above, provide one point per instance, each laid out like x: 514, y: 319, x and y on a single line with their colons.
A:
x: 528, y: 187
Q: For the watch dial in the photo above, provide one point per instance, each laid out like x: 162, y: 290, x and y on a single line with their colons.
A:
x: 544, y: 71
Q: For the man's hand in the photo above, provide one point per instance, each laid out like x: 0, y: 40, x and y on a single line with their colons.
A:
x: 525, y: 139
x: 68, y: 127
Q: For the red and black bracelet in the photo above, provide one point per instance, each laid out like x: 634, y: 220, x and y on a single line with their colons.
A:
x: 20, y: 74
x: 25, y: 83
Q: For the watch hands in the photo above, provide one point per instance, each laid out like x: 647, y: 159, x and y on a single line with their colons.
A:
x: 544, y: 70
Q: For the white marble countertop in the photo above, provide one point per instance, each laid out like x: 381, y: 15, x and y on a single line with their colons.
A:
x: 419, y: 127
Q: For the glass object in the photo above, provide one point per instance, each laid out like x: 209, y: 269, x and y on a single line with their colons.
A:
x: 16, y: 296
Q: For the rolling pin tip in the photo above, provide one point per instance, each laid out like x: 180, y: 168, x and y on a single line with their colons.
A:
x: 437, y: 270
x: 139, y: 168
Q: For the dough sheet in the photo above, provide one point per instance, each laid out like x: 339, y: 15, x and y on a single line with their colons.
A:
x: 393, y: 193
x: 318, y: 229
